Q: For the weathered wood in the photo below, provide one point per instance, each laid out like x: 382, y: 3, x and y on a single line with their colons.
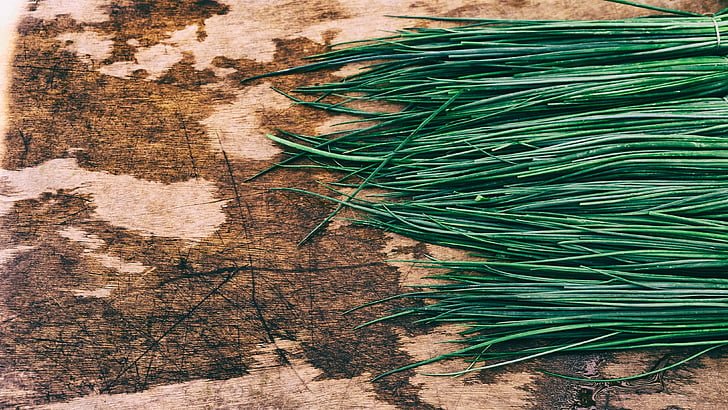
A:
x: 138, y: 269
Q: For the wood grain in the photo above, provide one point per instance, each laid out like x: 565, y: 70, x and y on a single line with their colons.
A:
x: 139, y: 269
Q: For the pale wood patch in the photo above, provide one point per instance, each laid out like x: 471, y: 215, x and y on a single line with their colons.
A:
x: 83, y: 11
x: 237, y: 128
x: 89, y: 45
x: 464, y: 392
x: 188, y: 210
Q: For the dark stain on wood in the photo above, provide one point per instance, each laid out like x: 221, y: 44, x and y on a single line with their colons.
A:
x: 203, y: 310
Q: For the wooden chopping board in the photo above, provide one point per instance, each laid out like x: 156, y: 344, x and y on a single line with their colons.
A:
x: 139, y: 269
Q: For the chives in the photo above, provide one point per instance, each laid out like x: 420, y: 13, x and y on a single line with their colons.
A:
x: 582, y: 163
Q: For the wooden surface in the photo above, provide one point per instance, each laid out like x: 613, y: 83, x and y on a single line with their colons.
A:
x: 139, y: 270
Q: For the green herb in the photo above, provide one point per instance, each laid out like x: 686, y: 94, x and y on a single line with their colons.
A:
x: 582, y: 163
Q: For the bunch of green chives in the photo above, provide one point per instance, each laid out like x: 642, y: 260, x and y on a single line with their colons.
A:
x: 505, y: 46
x: 499, y: 150
x: 597, y: 311
x: 583, y: 163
